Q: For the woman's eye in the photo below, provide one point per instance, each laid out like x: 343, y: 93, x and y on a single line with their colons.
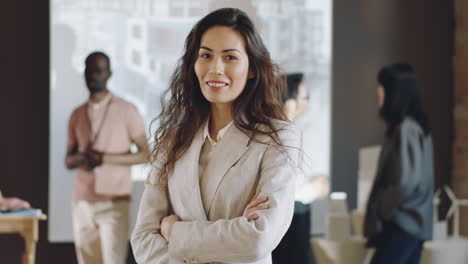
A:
x: 230, y: 57
x: 205, y: 56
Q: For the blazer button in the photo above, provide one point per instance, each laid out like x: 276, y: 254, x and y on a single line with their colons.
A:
x: 186, y: 260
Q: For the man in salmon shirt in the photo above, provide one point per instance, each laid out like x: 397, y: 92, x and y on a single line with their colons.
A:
x: 100, y: 134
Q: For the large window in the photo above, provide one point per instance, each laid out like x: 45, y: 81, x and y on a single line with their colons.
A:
x: 144, y: 39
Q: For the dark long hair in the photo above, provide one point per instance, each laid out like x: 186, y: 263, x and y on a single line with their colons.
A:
x: 402, y: 97
x: 187, y: 108
x: 293, y: 81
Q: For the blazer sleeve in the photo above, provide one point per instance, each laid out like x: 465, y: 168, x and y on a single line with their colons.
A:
x: 240, y: 240
x: 402, y: 170
x: 148, y: 245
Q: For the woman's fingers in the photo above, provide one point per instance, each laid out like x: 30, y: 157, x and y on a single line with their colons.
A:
x: 257, y: 202
x: 252, y: 217
x: 249, y: 213
x: 257, y: 208
x: 254, y: 205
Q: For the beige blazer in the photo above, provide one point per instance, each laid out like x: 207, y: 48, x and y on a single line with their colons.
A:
x: 213, y: 229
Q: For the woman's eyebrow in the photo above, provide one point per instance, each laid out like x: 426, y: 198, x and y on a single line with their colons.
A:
x: 226, y: 50
x: 203, y: 47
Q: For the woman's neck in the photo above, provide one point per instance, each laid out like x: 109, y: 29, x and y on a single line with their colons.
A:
x: 220, y: 116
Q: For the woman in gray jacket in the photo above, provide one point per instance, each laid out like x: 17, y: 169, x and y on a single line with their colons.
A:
x: 399, y: 210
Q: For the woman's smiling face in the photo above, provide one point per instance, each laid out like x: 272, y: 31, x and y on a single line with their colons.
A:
x: 222, y: 65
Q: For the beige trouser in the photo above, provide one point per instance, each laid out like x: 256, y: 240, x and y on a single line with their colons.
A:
x: 100, y: 230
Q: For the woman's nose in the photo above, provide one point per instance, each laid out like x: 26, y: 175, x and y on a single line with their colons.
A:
x: 216, y: 66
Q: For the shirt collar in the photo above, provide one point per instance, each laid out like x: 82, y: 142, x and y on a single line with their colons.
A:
x: 104, y: 101
x: 221, y: 133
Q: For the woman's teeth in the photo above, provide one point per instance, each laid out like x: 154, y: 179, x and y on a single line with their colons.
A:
x: 217, y: 84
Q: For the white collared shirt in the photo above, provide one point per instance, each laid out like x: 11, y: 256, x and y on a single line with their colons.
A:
x: 209, y: 146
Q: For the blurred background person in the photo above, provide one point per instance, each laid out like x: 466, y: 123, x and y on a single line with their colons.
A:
x: 399, y: 210
x: 100, y: 134
x: 295, y: 246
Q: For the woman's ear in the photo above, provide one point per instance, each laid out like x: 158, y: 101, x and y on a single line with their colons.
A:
x: 251, y: 75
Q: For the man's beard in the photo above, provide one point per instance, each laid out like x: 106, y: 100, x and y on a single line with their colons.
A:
x: 97, y: 89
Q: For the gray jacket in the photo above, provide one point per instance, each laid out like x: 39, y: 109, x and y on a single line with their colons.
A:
x: 404, y: 184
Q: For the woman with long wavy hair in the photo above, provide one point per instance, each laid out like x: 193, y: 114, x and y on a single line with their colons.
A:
x: 225, y: 159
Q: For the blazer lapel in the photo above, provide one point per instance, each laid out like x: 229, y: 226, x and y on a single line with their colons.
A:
x: 228, y: 151
x: 186, y: 171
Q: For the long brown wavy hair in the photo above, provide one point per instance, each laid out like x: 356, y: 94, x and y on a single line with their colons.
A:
x: 187, y: 108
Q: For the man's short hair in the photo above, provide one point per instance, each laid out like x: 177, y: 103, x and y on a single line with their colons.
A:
x: 95, y: 54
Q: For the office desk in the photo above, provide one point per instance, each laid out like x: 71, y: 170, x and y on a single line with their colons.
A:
x: 27, y: 227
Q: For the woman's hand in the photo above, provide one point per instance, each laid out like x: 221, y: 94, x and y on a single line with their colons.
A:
x: 320, y: 185
x: 95, y: 158
x: 255, y: 205
x: 13, y: 203
x: 166, y: 225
